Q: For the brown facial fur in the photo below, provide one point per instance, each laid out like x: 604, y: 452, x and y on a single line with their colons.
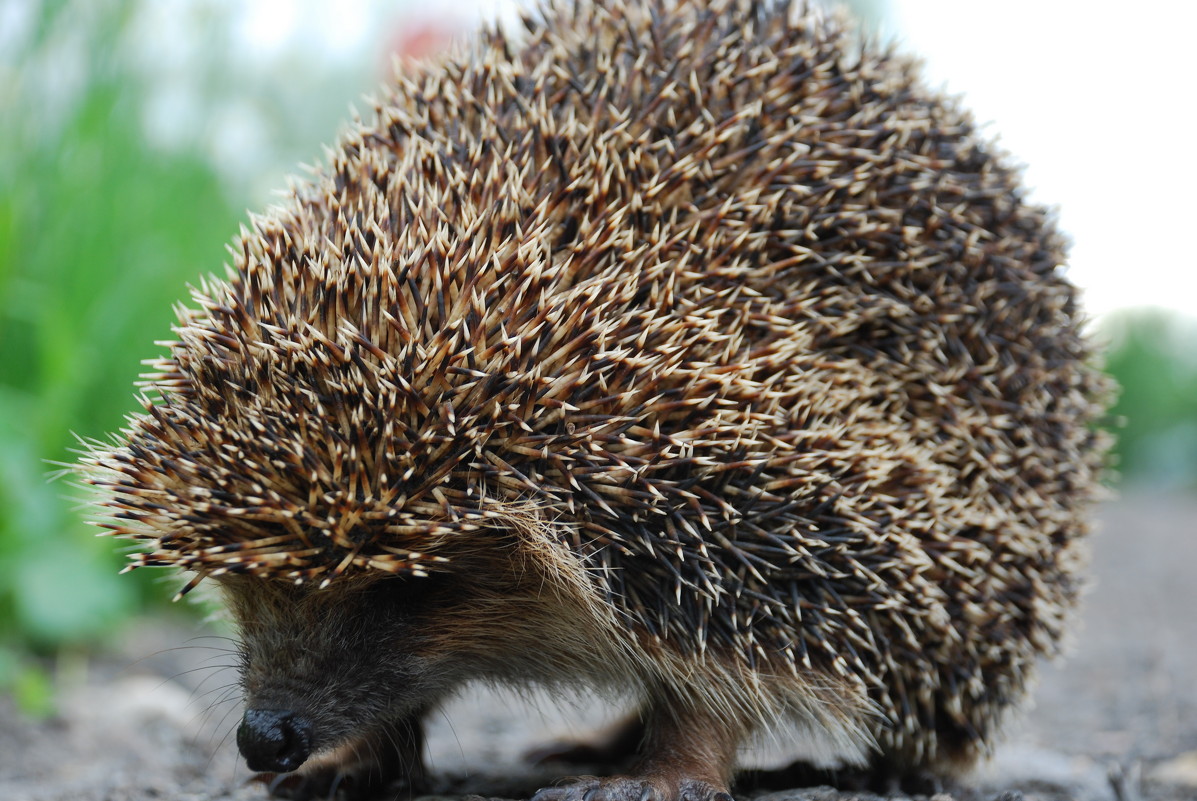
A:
x: 349, y: 658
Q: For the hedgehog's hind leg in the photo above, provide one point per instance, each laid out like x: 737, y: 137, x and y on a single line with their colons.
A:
x: 686, y: 755
x: 389, y: 758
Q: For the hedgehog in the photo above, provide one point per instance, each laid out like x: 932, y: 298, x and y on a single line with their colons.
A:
x: 689, y: 352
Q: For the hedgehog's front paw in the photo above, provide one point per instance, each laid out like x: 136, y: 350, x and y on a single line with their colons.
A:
x: 633, y: 788
x: 310, y: 784
x: 388, y: 760
x: 358, y: 784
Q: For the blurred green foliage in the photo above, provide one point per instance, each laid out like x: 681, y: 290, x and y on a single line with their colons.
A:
x: 101, y: 227
x: 1153, y: 356
x: 99, y: 232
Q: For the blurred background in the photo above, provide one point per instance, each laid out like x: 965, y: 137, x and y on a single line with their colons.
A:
x: 134, y: 135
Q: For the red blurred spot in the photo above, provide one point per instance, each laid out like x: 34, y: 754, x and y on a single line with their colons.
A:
x: 417, y: 38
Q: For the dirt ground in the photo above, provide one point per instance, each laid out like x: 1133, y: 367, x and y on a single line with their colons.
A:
x: 1116, y: 722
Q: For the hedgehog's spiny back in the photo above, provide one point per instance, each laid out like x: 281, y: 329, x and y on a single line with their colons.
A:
x: 756, y: 320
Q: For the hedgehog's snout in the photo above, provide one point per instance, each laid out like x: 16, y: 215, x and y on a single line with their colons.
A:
x: 275, y: 741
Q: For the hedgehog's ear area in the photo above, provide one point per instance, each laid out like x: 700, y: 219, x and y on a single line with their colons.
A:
x: 538, y: 542
x: 524, y: 527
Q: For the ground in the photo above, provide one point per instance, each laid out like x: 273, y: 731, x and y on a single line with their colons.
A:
x: 1117, y: 721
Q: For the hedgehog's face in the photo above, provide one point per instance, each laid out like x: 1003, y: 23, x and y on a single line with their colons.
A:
x: 323, y: 667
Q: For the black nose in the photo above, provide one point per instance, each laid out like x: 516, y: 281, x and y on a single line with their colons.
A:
x: 274, y: 741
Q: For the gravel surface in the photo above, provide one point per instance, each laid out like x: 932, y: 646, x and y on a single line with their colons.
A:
x: 1116, y: 722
